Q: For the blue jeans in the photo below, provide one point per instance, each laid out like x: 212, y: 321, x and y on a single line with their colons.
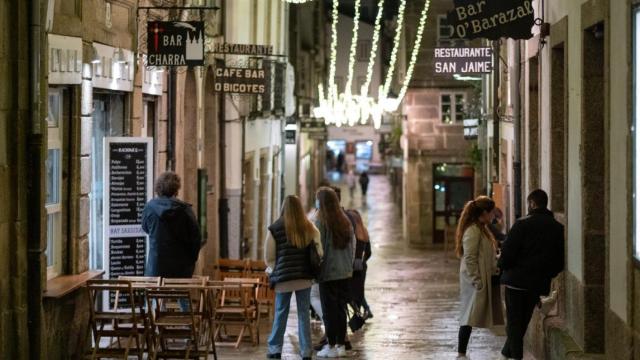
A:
x: 276, y: 338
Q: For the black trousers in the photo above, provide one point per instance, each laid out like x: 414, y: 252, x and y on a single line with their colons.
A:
x: 334, y: 296
x: 520, y: 305
x: 464, y: 334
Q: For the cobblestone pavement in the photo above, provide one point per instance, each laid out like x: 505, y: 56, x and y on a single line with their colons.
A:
x: 413, y: 294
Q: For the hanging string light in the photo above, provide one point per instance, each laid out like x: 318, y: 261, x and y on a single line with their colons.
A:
x: 364, y: 90
x: 414, y: 53
x: 334, y: 49
x: 297, y: 1
x: 352, y: 52
x: 394, y: 52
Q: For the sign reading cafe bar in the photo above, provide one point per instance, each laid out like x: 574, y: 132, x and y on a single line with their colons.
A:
x: 175, y: 43
x: 128, y: 186
x: 240, y: 80
x: 492, y: 19
x: 463, y: 60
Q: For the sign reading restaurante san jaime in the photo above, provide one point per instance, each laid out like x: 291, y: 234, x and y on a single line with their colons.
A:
x: 492, y: 19
x: 240, y: 80
x: 175, y: 43
x: 464, y: 60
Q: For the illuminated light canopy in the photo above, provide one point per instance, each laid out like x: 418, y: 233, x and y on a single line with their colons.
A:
x: 345, y: 108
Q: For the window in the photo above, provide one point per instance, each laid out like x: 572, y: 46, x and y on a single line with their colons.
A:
x: 452, y: 108
x: 445, y: 31
x: 363, y: 50
x: 636, y: 136
x: 53, y: 168
x: 446, y: 36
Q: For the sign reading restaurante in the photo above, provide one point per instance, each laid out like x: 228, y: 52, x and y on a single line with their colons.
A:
x: 175, y: 43
x: 243, y: 49
x: 492, y: 19
x: 464, y: 60
x: 240, y: 80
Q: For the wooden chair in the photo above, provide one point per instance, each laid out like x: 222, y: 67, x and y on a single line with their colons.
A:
x: 175, y: 325
x: 113, y: 323
x: 257, y: 266
x: 266, y: 295
x: 139, y: 283
x: 225, y: 268
x: 236, y: 305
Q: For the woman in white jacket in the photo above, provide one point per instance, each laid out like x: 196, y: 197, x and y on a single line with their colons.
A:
x: 476, y: 247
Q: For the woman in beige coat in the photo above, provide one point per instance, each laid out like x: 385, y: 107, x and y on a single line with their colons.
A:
x: 476, y: 247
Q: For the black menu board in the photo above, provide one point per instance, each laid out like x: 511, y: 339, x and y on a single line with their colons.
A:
x: 128, y: 190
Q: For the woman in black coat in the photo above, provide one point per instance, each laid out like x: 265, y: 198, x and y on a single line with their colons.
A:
x: 362, y: 255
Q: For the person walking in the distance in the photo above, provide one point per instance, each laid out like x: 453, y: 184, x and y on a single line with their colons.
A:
x: 476, y: 246
x: 532, y: 255
x: 364, y: 183
x: 351, y: 183
x: 287, y: 253
x: 174, y: 235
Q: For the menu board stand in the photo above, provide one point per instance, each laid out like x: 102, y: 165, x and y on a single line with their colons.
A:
x: 128, y: 186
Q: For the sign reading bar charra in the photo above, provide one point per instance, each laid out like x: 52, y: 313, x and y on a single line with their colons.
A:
x: 240, y: 80
x: 175, y: 43
x: 243, y: 49
x: 492, y: 19
x: 464, y: 60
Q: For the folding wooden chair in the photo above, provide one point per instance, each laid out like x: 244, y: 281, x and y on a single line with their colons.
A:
x: 175, y: 325
x: 266, y: 295
x: 225, y: 268
x: 236, y: 305
x: 139, y: 284
x: 113, y: 323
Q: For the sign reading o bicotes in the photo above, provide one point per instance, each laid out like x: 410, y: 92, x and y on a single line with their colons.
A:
x: 240, y: 80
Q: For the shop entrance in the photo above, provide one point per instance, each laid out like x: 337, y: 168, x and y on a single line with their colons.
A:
x: 452, y: 188
x: 108, y: 121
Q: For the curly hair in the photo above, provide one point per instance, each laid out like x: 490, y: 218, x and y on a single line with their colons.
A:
x: 167, y: 184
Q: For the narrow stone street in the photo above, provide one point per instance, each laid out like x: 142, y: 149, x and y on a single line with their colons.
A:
x: 413, y: 294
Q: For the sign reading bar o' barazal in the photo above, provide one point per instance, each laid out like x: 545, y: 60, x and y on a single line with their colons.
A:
x: 240, y: 80
x: 175, y: 43
x: 492, y: 19
x: 465, y: 60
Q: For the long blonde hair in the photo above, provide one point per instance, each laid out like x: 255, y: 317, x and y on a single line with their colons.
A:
x: 471, y: 216
x: 300, y: 231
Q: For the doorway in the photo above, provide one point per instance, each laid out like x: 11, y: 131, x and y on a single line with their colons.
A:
x: 108, y: 121
x: 452, y: 188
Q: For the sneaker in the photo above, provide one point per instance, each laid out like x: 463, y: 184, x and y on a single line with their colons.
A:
x: 321, y: 344
x: 369, y: 315
x: 341, y: 350
x: 328, y: 351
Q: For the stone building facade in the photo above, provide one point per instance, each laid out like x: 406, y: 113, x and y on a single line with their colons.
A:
x: 578, y: 96
x: 438, y: 175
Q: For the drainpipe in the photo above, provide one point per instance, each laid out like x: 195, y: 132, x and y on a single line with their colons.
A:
x: 517, y: 153
x: 35, y: 201
x: 496, y: 108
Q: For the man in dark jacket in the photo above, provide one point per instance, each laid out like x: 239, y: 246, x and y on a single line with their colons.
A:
x: 174, y: 236
x: 532, y: 255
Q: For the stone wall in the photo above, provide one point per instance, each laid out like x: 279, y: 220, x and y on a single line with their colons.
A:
x: 14, y: 124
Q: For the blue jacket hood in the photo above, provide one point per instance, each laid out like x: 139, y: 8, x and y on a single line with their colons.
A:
x: 166, y: 208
